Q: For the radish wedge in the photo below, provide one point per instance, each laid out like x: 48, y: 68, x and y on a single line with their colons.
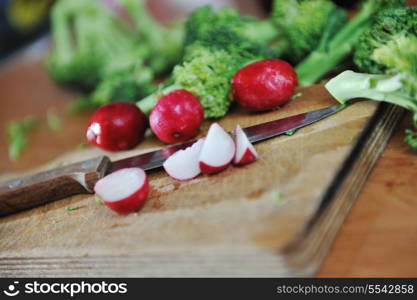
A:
x: 184, y: 164
x: 124, y: 191
x: 218, y: 150
x: 245, y: 152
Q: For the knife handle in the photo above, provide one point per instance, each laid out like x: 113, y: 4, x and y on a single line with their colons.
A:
x: 44, y: 187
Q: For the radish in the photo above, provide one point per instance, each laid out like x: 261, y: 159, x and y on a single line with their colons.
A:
x: 264, y: 84
x: 218, y: 150
x: 116, y: 126
x: 177, y: 117
x: 245, y: 152
x: 184, y: 164
x: 124, y: 191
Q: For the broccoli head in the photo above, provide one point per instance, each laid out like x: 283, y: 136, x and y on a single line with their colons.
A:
x: 117, y: 58
x: 389, y: 51
x: 199, y: 26
x: 380, y: 48
x: 217, y: 46
x: 334, y: 49
x: 75, y: 41
x: 304, y: 22
x: 207, y: 75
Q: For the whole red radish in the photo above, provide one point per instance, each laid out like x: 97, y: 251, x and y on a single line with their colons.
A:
x: 264, y: 84
x: 176, y: 117
x: 116, y: 126
x: 124, y: 191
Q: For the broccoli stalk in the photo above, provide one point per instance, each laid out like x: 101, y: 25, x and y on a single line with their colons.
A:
x: 389, y: 48
x: 218, y: 44
x: 166, y: 43
x: 332, y: 51
x: 387, y: 88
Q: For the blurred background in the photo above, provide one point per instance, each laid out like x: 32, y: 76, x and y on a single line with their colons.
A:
x: 27, y: 91
x: 22, y: 21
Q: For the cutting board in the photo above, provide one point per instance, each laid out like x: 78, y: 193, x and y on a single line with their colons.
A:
x: 275, y: 217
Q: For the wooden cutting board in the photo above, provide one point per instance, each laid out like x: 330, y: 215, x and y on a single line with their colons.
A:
x: 276, y: 217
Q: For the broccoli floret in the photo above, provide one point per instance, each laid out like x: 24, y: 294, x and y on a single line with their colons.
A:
x: 218, y: 44
x: 75, y: 37
x: 335, y: 49
x: 304, y: 23
x: 116, y: 58
x: 389, y: 48
x: 200, y: 26
x: 380, y: 49
x: 128, y: 84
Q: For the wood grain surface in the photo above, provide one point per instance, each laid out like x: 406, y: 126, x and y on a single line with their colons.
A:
x: 247, y: 214
x: 45, y: 145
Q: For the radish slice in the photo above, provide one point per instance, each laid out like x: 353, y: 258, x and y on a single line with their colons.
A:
x: 245, y: 152
x: 218, y: 150
x: 184, y: 164
x: 124, y: 191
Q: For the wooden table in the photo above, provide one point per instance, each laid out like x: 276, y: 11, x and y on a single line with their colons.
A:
x: 379, y: 237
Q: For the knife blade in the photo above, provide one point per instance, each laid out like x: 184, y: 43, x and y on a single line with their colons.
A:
x: 78, y: 178
x: 256, y: 133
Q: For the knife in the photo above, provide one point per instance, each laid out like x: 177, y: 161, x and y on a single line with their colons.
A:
x: 79, y: 178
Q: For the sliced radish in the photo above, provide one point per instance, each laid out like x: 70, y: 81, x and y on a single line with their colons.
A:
x: 124, y: 191
x: 184, y: 164
x: 245, y: 152
x: 218, y: 150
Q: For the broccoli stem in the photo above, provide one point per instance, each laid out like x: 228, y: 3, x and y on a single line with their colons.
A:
x: 149, y: 102
x: 62, y: 36
x: 387, y: 88
x: 325, y: 58
x: 262, y: 32
x: 152, y: 32
x: 319, y: 63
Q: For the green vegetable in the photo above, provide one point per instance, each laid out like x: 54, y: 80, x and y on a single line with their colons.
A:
x: 390, y: 48
x: 305, y: 24
x: 290, y: 132
x: 117, y: 59
x: 218, y: 44
x: 17, y: 132
x: 54, y: 122
x: 334, y: 48
x: 71, y: 208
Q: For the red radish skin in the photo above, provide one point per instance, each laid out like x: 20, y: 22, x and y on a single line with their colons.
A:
x: 247, y: 158
x: 209, y: 170
x: 116, y: 126
x: 124, y: 191
x: 264, y: 85
x: 218, y: 150
x: 245, y: 152
x: 177, y: 117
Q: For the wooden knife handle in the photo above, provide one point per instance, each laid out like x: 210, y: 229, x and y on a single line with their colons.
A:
x: 41, y: 188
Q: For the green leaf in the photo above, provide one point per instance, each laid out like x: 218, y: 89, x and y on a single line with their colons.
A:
x: 17, y: 135
x: 54, y: 122
x: 71, y: 208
